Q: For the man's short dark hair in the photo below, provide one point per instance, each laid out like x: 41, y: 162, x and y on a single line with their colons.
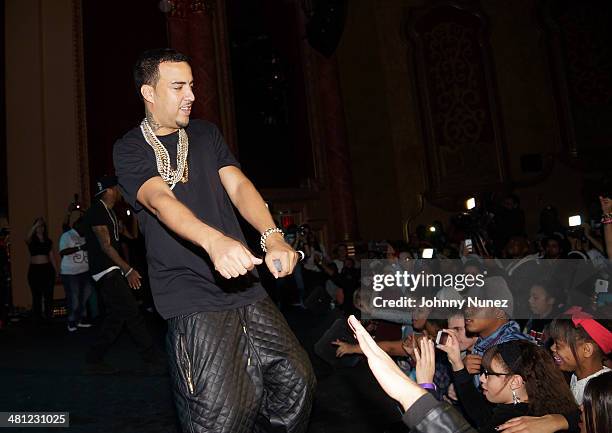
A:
x: 146, y: 69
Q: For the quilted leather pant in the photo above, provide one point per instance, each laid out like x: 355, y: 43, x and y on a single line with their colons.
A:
x: 239, y: 371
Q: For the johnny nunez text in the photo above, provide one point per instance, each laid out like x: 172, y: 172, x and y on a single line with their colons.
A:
x: 424, y: 302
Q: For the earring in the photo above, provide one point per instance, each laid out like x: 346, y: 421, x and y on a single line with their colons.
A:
x: 515, y: 398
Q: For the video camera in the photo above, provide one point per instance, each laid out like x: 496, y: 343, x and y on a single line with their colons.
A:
x: 474, y: 222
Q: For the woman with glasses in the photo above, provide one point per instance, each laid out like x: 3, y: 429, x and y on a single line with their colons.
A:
x: 519, y: 378
x: 424, y: 414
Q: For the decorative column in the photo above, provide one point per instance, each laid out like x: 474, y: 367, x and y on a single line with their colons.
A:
x: 197, y: 28
x: 48, y: 141
x: 333, y: 126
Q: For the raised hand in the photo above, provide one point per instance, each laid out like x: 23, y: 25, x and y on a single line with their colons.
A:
x: 425, y: 361
x: 452, y: 349
x: 393, y: 381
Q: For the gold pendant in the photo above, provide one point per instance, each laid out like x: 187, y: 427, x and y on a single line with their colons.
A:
x: 185, y: 177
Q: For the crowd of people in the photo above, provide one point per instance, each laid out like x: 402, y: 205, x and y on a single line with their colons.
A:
x: 539, y: 364
x: 91, y: 261
x: 68, y: 265
x: 525, y: 366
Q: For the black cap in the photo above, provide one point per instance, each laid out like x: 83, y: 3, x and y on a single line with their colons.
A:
x: 104, y: 183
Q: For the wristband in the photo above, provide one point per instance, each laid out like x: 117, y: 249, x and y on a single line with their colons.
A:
x: 428, y: 386
x: 264, y: 237
x: 128, y: 272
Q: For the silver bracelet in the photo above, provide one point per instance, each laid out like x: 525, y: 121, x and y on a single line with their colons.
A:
x: 264, y: 237
x: 128, y: 272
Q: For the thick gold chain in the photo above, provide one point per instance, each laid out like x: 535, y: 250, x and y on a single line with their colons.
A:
x: 162, y: 158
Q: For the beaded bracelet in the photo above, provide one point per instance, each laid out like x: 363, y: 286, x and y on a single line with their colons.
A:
x: 264, y: 237
x: 606, y: 220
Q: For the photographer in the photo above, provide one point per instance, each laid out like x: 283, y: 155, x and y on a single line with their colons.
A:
x: 509, y: 220
x: 584, y: 245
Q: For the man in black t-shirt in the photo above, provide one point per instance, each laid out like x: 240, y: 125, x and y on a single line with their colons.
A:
x: 236, y: 365
x: 113, y: 278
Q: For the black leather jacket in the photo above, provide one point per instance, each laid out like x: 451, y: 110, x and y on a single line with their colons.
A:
x: 428, y: 415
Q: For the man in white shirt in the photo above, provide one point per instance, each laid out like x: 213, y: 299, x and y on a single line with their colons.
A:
x: 74, y: 271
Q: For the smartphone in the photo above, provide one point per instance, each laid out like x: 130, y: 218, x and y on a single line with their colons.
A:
x: 601, y: 286
x: 468, y: 245
x: 442, y: 337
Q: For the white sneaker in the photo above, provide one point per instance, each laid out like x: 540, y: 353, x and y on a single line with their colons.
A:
x: 71, y: 327
x: 84, y: 325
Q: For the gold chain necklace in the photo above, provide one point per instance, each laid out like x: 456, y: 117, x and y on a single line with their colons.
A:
x: 170, y: 176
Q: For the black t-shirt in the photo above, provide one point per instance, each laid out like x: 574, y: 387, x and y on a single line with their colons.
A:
x: 99, y: 215
x: 183, y: 279
x: 40, y: 248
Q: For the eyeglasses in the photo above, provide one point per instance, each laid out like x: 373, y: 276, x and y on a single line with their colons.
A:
x: 488, y: 373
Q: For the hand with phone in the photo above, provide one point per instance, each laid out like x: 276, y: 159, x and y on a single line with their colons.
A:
x: 447, y: 340
x: 466, y: 248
